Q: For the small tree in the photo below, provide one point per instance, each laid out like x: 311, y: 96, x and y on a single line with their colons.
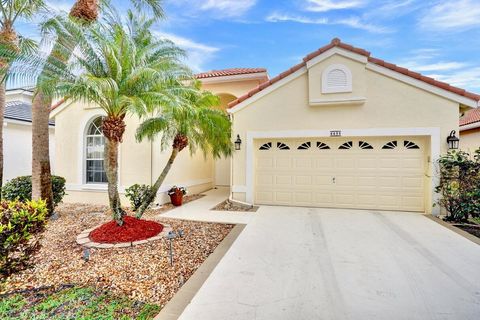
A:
x: 460, y: 185
x: 125, y: 71
x: 193, y: 123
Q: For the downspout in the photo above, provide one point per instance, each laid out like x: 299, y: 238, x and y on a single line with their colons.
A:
x: 151, y: 162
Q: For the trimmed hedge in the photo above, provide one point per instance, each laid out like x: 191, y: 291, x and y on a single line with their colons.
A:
x: 20, y: 225
x: 20, y: 188
x: 460, y: 185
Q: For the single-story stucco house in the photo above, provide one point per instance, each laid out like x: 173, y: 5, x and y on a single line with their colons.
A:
x: 470, y: 131
x: 340, y: 129
x: 17, y: 134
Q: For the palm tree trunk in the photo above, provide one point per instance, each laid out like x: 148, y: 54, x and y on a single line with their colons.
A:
x: 111, y: 169
x: 41, y: 175
x: 2, y: 113
x: 153, y: 191
x: 86, y: 11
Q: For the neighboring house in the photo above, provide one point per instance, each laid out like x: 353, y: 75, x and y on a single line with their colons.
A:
x: 80, y: 142
x: 341, y: 129
x: 17, y: 134
x: 470, y: 131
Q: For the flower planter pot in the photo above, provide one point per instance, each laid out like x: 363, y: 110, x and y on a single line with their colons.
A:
x: 177, y: 199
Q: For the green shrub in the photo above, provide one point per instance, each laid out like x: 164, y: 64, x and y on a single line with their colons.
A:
x: 136, y: 194
x: 460, y: 185
x: 21, y: 188
x: 20, y: 225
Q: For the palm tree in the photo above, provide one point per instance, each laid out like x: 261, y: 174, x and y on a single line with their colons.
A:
x: 84, y: 12
x: 11, y: 11
x: 194, y: 123
x: 124, y: 71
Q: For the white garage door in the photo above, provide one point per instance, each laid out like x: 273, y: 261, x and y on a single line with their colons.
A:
x: 366, y: 173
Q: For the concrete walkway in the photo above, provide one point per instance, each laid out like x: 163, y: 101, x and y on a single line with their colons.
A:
x: 301, y: 263
x: 199, y: 210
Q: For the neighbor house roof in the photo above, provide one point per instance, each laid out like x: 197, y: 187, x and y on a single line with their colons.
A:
x: 338, y: 43
x: 20, y: 111
x: 229, y: 72
x: 470, y: 117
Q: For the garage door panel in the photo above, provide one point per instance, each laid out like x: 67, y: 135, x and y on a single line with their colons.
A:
x: 265, y: 180
x: 412, y: 182
x: 264, y: 163
x: 281, y: 180
x: 303, y: 163
x: 323, y: 180
x: 388, y: 179
x: 324, y: 161
x: 283, y: 162
x: 303, y: 181
x: 345, y: 199
x: 283, y: 197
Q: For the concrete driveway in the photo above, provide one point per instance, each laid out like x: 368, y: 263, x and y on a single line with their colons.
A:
x: 302, y: 263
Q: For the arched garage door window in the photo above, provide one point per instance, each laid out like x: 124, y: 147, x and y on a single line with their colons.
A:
x: 95, y: 145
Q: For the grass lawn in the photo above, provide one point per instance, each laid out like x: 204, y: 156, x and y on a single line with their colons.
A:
x: 72, y: 303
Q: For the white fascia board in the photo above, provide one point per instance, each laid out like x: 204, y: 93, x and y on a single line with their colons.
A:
x: 268, y: 90
x: 342, y: 52
x: 423, y: 85
x: 19, y: 91
x: 470, y: 126
x: 233, y: 78
x: 59, y: 109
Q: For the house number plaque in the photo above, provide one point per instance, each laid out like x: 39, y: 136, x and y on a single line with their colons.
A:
x: 335, y: 133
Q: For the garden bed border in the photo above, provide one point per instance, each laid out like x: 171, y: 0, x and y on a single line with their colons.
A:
x: 459, y: 231
x: 84, y: 240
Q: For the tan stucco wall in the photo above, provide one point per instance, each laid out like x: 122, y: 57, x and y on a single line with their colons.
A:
x: 236, y: 88
x: 390, y: 104
x: 139, y: 162
x: 470, y: 140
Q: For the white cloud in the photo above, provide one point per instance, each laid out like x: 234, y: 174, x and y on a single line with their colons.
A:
x: 435, y: 67
x: 64, y: 6
x: 198, y: 53
x: 452, y: 15
x: 468, y: 78
x: 328, y: 5
x: 221, y: 8
x: 353, y: 22
x: 460, y: 74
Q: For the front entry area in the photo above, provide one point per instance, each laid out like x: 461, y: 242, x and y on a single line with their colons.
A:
x: 386, y: 173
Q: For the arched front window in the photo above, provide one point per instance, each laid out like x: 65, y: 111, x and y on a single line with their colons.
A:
x: 95, y: 144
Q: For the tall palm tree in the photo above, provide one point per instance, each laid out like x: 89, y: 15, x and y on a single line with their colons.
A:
x: 123, y: 71
x: 194, y: 123
x: 11, y: 11
x: 84, y: 12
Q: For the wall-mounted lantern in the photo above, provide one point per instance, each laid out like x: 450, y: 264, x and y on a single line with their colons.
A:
x: 238, y: 143
x: 453, y: 141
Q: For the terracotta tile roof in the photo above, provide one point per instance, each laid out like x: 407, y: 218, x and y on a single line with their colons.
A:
x: 229, y: 72
x: 470, y: 117
x: 57, y: 104
x: 338, y: 43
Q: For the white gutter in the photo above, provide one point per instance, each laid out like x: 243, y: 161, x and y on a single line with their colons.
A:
x: 470, y: 126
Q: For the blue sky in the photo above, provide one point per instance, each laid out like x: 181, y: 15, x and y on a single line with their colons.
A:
x: 438, y: 38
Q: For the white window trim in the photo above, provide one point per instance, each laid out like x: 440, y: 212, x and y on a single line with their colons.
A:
x: 82, y: 167
x: 89, y: 185
x: 329, y: 89
x: 433, y: 133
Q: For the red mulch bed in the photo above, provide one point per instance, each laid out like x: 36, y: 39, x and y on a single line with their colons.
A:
x: 133, y: 229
